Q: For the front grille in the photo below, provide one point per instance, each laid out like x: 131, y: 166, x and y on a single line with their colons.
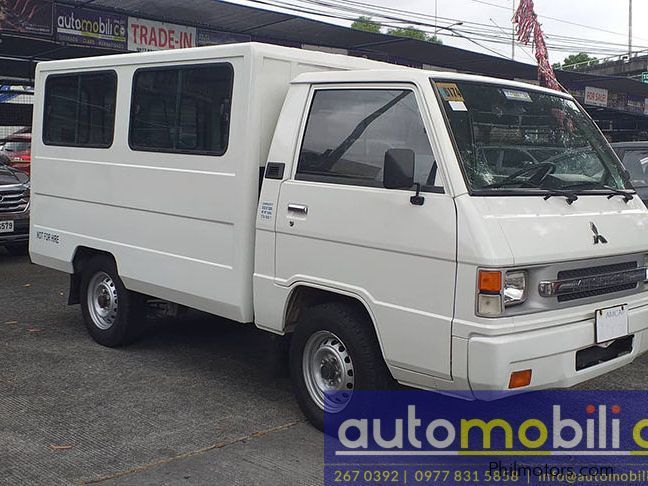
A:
x: 601, y: 280
x: 589, y: 271
x: 594, y: 293
x: 13, y: 200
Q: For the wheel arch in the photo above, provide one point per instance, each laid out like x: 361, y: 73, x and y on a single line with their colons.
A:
x: 305, y: 295
x: 82, y: 255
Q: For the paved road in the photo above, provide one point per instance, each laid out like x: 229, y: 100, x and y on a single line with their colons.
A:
x: 196, y: 401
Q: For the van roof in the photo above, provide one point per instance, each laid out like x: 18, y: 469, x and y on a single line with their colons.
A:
x: 411, y: 75
x: 356, y: 69
x: 215, y: 52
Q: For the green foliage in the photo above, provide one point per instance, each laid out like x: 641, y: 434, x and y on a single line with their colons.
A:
x: 582, y: 60
x: 414, y: 33
x: 366, y: 24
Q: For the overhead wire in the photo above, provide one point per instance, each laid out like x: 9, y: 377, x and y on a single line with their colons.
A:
x: 474, y: 32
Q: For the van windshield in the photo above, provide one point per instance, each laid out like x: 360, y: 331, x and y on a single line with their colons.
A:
x: 511, y: 139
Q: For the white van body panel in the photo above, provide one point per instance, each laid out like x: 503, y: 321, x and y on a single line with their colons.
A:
x: 194, y: 229
x: 181, y: 227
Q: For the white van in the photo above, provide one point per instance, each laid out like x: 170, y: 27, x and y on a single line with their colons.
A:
x: 348, y: 203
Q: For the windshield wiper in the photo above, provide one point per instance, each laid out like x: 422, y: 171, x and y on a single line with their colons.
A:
x: 627, y: 195
x: 570, y: 196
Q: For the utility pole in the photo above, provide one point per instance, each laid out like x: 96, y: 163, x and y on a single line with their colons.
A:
x: 630, y: 29
x: 436, y: 16
x: 513, y: 31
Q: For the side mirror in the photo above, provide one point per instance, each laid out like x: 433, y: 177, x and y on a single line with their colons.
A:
x: 398, y: 169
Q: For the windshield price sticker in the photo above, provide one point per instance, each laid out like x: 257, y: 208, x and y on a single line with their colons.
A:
x: 515, y: 95
x: 450, y: 92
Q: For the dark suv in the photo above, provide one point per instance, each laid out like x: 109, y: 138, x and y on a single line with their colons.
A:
x: 14, y: 208
x: 634, y: 157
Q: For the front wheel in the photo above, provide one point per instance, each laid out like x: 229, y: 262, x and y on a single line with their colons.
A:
x: 113, y: 315
x: 334, y: 351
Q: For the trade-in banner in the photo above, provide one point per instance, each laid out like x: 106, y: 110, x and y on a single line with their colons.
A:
x: 90, y: 27
x: 213, y: 38
x: 150, y: 35
x: 26, y: 16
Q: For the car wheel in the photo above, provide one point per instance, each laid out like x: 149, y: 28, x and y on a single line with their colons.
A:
x: 113, y: 314
x: 334, y: 351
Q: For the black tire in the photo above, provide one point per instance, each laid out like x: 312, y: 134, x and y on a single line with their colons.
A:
x: 18, y: 250
x: 353, y: 328
x: 128, y: 317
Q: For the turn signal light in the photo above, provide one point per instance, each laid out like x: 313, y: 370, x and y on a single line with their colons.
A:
x: 519, y: 379
x: 490, y: 281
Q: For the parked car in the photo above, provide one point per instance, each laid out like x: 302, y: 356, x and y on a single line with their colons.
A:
x: 14, y: 207
x: 346, y: 203
x: 17, y: 147
x: 634, y: 157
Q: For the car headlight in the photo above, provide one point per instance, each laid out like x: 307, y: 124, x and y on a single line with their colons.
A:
x: 498, y: 289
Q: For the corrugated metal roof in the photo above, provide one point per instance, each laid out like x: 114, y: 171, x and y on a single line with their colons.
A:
x: 270, y: 26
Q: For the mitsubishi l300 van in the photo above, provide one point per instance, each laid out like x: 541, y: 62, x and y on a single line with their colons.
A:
x: 349, y: 205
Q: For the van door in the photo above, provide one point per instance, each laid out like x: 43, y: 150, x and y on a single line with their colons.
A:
x: 339, y: 228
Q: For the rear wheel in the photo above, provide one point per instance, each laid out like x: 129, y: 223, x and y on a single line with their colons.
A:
x: 334, y: 351
x: 113, y: 315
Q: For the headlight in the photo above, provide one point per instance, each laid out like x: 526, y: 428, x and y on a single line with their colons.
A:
x: 515, y: 288
x: 497, y: 289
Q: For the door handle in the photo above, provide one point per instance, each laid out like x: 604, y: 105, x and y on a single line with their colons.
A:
x: 298, y: 208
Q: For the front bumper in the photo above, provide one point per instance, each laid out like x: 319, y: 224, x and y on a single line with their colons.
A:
x: 550, y: 353
x: 20, y: 234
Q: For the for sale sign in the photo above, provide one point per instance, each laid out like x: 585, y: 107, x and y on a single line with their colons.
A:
x: 90, y: 27
x: 596, y: 96
x: 149, y: 35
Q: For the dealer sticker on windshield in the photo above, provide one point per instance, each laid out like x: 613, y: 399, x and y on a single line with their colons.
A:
x: 450, y: 92
x: 516, y: 95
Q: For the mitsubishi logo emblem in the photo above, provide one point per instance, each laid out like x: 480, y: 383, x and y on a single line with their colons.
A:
x: 598, y: 238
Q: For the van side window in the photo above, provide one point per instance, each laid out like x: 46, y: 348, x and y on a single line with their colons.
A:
x: 80, y: 109
x: 349, y: 130
x: 182, y: 109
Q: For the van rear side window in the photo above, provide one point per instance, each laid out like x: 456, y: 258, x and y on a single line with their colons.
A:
x: 182, y: 109
x: 80, y: 109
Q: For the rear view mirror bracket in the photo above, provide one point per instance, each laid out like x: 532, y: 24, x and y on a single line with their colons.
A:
x: 417, y: 199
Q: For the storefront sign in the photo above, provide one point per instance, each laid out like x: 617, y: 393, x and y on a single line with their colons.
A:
x: 150, y: 35
x: 90, y: 27
x: 596, y: 96
x: 26, y: 16
x: 213, y: 38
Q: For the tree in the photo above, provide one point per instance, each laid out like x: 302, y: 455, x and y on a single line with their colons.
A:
x: 366, y: 24
x: 577, y: 61
x: 414, y: 33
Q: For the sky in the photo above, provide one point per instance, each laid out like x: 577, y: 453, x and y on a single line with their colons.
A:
x: 607, y: 21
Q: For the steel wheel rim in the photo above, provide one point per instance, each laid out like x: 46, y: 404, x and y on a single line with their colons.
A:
x: 328, y: 371
x: 102, y: 300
